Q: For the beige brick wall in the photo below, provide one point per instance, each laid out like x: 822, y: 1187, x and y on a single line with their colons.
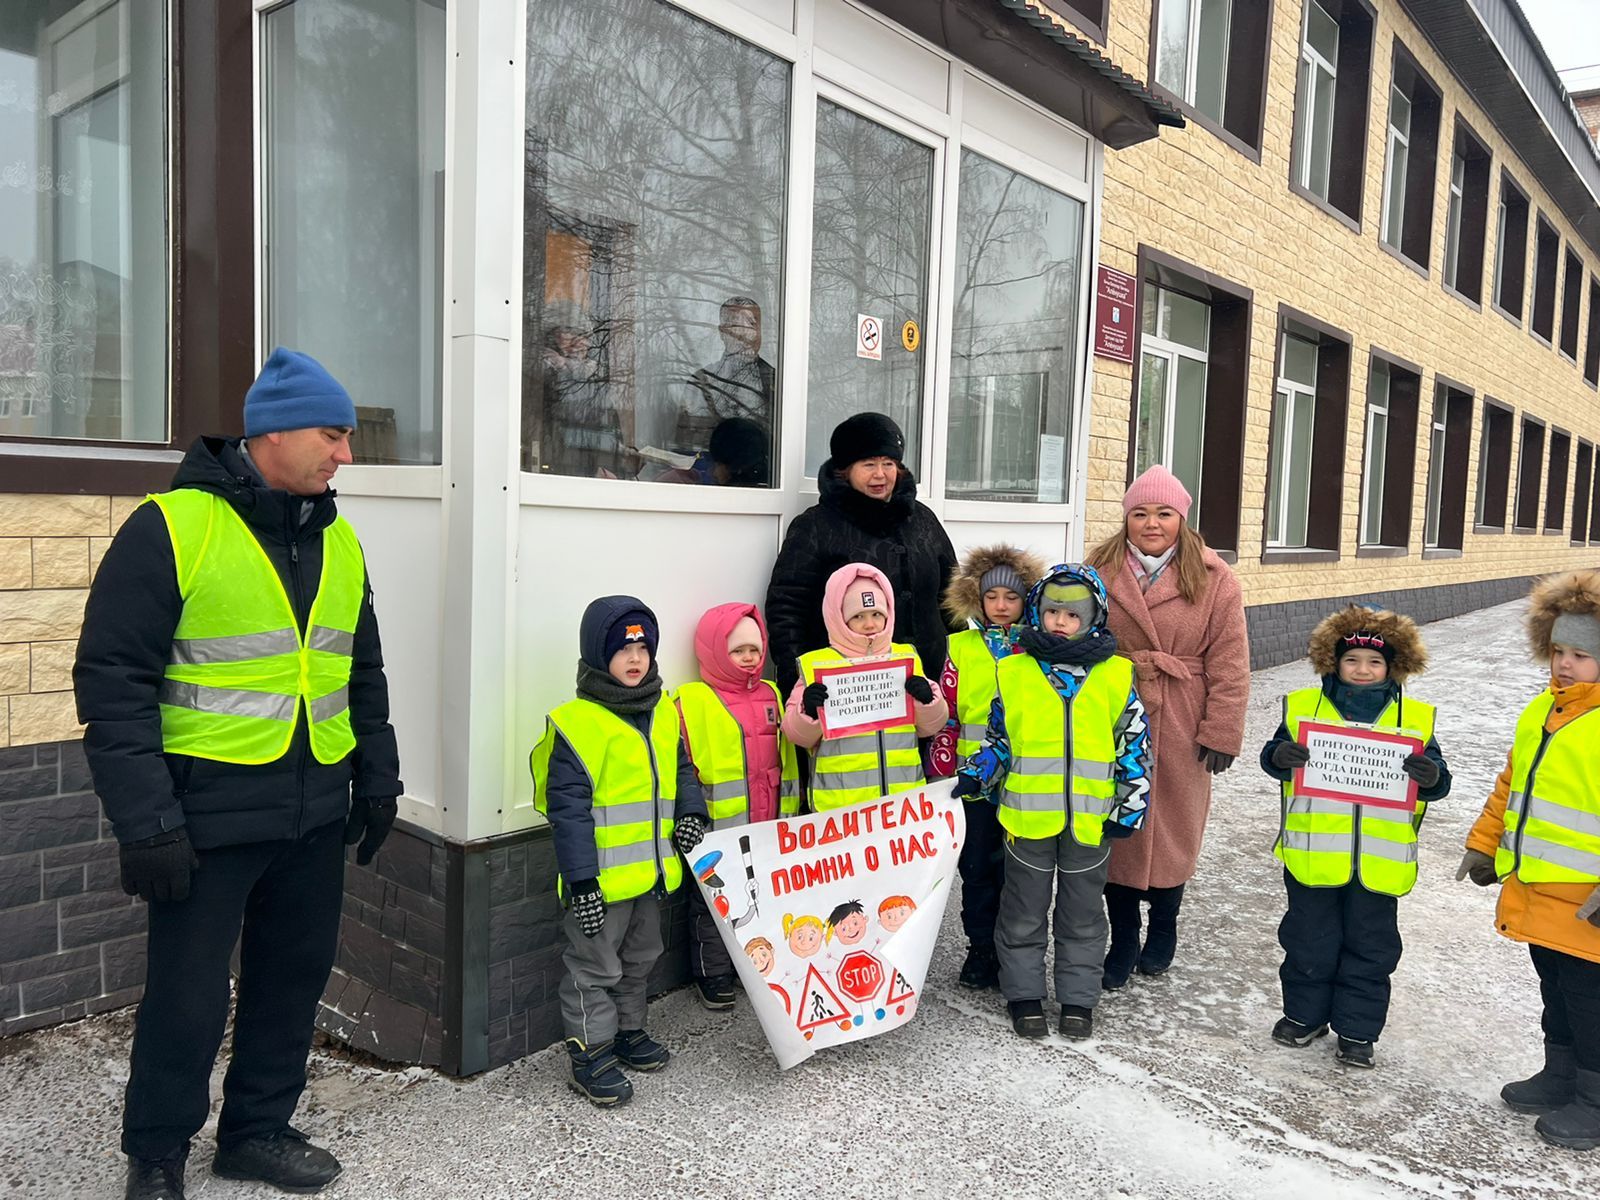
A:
x: 1194, y: 197
x: 49, y: 547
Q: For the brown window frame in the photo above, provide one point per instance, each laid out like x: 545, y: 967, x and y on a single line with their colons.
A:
x: 1495, y: 436
x: 1594, y: 502
x: 1591, y: 349
x: 1227, y: 390
x: 1571, y: 303
x: 1091, y: 16
x: 1583, y: 481
x: 1546, y: 279
x: 1329, y: 430
x: 1422, y: 158
x: 1456, y: 401
x: 1399, y: 458
x: 211, y: 331
x: 1472, y: 242
x: 1244, y: 115
x: 1531, y: 437
x: 1352, y: 102
x: 1517, y: 237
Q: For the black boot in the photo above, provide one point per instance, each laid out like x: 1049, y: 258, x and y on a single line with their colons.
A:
x: 637, y: 1049
x: 716, y: 992
x: 1289, y: 1032
x: 982, y: 968
x: 1576, y: 1126
x: 1027, y: 1018
x: 1122, y: 907
x: 1549, y: 1089
x: 287, y: 1160
x: 1161, y: 939
x: 1076, y: 1023
x: 596, y: 1076
x: 156, y: 1178
x: 1353, y: 1053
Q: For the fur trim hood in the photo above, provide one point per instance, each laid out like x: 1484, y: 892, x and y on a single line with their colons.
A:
x: 1400, y: 632
x: 1569, y: 592
x: 963, y: 599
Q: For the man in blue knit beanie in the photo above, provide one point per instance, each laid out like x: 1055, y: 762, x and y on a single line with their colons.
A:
x: 230, y: 680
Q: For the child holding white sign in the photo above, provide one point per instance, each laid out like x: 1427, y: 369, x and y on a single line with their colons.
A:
x: 1349, y: 855
x: 849, y: 766
x: 1539, y: 837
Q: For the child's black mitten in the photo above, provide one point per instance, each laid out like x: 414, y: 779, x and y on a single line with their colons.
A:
x: 1286, y: 756
x: 919, y: 689
x: 1478, y: 866
x: 687, y: 831
x: 589, y: 906
x: 813, y: 698
x: 1421, y: 768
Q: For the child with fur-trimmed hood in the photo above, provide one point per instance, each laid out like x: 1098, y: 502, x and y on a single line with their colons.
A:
x: 985, y: 600
x: 1347, y: 865
x: 1539, y: 838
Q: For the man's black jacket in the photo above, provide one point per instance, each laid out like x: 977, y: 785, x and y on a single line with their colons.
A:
x: 128, y: 626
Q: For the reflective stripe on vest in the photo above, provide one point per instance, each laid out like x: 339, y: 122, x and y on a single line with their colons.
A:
x: 1063, y: 755
x: 238, y: 672
x: 862, y: 766
x: 716, y: 745
x: 633, y: 783
x: 976, y: 687
x: 1326, y: 843
x: 1552, y: 827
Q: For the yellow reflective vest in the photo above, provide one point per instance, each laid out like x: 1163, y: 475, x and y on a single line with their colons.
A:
x: 977, y: 685
x: 1552, y: 820
x: 716, y: 744
x: 635, y: 785
x: 862, y: 766
x: 1063, y: 753
x: 1326, y: 843
x: 239, y: 671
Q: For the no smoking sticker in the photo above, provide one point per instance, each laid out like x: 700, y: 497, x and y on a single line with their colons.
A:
x: 869, y: 337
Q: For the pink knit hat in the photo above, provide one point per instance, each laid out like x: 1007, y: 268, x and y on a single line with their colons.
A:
x: 844, y: 595
x: 1157, y: 487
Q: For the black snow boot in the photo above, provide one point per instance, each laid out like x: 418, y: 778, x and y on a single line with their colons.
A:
x: 287, y: 1160
x: 1550, y: 1089
x: 1289, y: 1032
x: 1027, y: 1018
x: 637, y: 1049
x: 982, y: 968
x: 1122, y: 907
x: 1576, y: 1126
x: 156, y: 1178
x: 1161, y: 939
x: 1076, y: 1023
x: 1354, y: 1054
x: 716, y: 992
x: 596, y: 1076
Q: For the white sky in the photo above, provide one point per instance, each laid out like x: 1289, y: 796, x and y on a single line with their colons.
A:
x: 1570, y: 31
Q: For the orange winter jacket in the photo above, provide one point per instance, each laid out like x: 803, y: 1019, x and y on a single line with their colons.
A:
x: 1542, y: 913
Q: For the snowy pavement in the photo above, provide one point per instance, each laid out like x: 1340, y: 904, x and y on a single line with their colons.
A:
x: 1180, y: 1094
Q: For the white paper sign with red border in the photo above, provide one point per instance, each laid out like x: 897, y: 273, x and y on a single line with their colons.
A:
x: 866, y: 696
x: 1357, y: 764
x: 831, y: 918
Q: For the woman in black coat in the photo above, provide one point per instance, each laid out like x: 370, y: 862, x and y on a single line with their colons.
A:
x: 867, y: 511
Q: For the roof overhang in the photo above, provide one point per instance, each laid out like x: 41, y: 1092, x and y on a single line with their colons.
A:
x: 1021, y: 46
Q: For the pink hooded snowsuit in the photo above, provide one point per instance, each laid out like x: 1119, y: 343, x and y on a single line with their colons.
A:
x: 751, y: 700
x: 805, y: 731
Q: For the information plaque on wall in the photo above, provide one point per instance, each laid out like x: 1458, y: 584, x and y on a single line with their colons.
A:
x: 1115, y: 302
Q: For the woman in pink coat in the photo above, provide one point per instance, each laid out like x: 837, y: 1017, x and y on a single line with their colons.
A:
x: 1177, y: 612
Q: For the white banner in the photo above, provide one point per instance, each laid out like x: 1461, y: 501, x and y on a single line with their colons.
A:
x: 831, y: 918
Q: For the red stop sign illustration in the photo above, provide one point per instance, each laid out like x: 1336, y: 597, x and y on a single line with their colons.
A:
x: 860, y: 976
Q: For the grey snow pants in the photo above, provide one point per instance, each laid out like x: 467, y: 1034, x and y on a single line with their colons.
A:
x: 1077, y: 875
x: 604, y: 988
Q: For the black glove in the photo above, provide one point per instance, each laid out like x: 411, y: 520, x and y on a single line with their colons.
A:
x: 919, y: 689
x: 1215, y: 760
x: 1479, y: 867
x: 1421, y: 768
x: 1114, y: 830
x: 588, y: 906
x: 687, y: 831
x: 369, y: 823
x: 1286, y: 756
x: 159, y: 867
x: 813, y: 698
x: 966, y: 786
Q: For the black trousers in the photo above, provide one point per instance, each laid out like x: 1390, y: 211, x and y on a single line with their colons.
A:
x: 982, y: 864
x: 708, y: 955
x: 1571, y: 990
x: 286, y: 897
x: 1340, y: 946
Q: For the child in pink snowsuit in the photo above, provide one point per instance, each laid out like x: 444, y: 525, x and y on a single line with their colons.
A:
x: 731, y: 722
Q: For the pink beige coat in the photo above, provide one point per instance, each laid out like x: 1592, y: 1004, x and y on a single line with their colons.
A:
x: 1193, y: 663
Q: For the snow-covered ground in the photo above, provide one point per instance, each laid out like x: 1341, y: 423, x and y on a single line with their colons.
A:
x: 1181, y: 1093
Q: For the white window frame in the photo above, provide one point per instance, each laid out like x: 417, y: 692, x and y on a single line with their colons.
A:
x: 1455, y: 213
x: 1438, y: 440
x: 1191, y: 44
x: 1393, y: 233
x: 1372, y: 505
x: 1157, y: 346
x: 1285, y: 394
x: 1312, y: 61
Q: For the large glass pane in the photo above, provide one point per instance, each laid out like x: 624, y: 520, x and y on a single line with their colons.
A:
x: 654, y: 168
x: 1394, y: 209
x: 1150, y: 440
x: 1277, y: 469
x: 1321, y: 148
x: 1211, y: 58
x: 1452, y: 227
x: 1018, y: 245
x: 1172, y: 47
x: 870, y: 229
x: 1299, y: 360
x: 1185, y: 320
x: 1188, y: 432
x: 1298, y: 481
x: 1377, y: 463
x: 354, y: 207
x: 1322, y: 32
x: 1430, y: 532
x: 83, y: 230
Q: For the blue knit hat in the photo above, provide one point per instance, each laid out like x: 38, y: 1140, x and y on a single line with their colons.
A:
x: 295, y: 391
